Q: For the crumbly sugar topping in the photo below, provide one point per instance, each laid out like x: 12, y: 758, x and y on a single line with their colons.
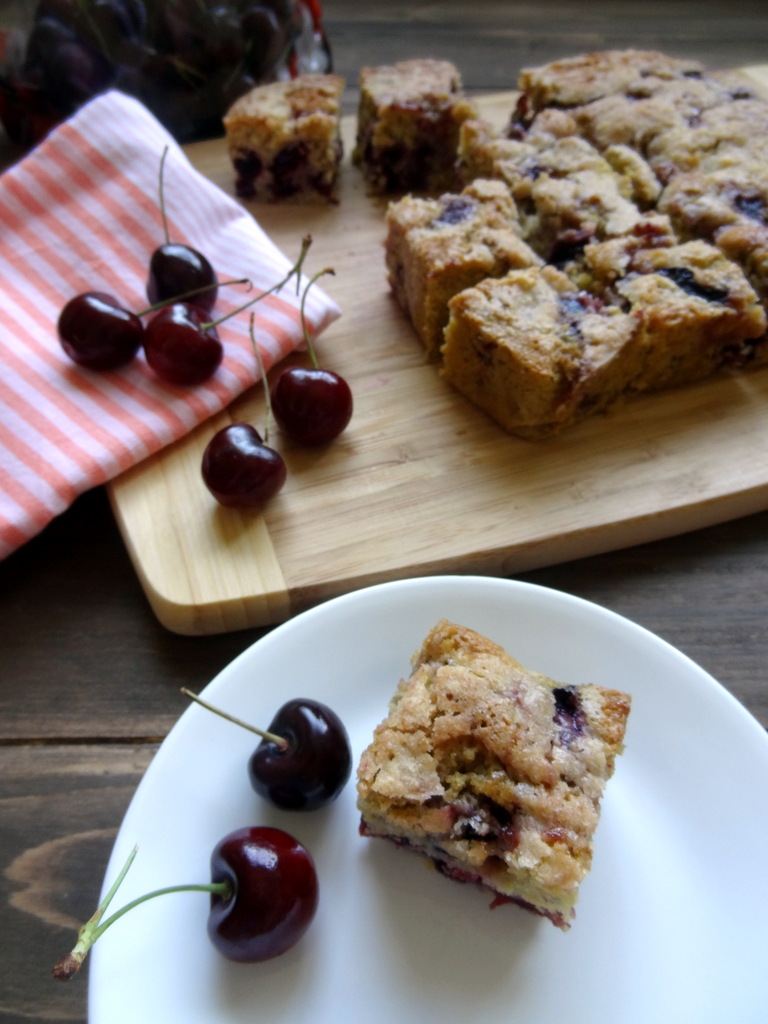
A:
x: 486, y: 764
x: 615, y: 162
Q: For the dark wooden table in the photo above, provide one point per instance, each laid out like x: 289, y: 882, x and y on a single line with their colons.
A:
x: 89, y: 681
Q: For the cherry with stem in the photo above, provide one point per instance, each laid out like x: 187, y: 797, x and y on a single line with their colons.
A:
x: 98, y: 333
x: 239, y: 468
x: 175, y: 267
x: 311, y: 405
x: 304, y: 759
x: 263, y: 896
x: 272, y: 737
x: 181, y: 343
x: 95, y: 926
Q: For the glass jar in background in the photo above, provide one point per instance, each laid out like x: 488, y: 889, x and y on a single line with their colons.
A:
x: 186, y: 60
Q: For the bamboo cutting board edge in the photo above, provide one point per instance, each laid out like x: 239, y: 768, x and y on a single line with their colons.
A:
x: 274, y: 604
x: 207, y: 570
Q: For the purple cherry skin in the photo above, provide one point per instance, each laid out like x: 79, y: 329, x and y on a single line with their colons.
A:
x: 96, y: 332
x: 274, y: 894
x: 315, y: 766
x: 311, y: 406
x: 239, y: 470
x: 175, y: 269
x: 181, y: 346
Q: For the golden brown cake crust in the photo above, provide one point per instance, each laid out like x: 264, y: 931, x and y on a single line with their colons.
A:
x: 493, y: 770
x: 437, y: 247
x: 284, y: 139
x: 408, y: 123
x: 536, y: 357
x: 581, y: 79
x: 641, y: 180
x: 291, y: 99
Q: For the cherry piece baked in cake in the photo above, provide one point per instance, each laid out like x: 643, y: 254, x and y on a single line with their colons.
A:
x: 284, y: 139
x: 493, y: 771
x: 695, y: 309
x: 538, y: 349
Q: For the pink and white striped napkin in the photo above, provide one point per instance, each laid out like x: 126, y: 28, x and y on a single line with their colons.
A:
x: 81, y: 213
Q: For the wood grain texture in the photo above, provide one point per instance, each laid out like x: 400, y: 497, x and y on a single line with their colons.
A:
x: 57, y: 818
x: 422, y: 482
x: 501, y: 38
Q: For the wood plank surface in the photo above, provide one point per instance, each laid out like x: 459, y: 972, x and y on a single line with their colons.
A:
x: 59, y: 809
x: 422, y: 482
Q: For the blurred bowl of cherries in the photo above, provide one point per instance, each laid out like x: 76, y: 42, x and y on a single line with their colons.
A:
x: 186, y: 60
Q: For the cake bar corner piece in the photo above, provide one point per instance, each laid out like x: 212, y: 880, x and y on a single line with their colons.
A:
x: 493, y: 771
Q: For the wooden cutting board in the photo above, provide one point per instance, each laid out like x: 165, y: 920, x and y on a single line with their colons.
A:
x: 421, y: 482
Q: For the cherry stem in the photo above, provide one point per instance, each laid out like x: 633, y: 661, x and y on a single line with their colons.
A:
x: 161, y: 192
x: 191, y: 293
x: 295, y: 269
x: 267, y: 396
x: 94, y: 928
x: 271, y: 737
x: 310, y: 348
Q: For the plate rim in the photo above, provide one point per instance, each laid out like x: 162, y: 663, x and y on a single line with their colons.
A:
x: 418, y: 586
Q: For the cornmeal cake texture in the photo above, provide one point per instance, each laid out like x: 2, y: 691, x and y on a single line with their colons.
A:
x: 537, y: 355
x: 284, y: 139
x: 437, y: 247
x: 493, y: 771
x: 583, y: 78
x: 408, y: 122
x: 638, y: 182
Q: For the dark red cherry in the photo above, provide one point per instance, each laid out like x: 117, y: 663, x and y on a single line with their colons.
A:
x: 176, y: 269
x: 240, y: 470
x: 311, y: 405
x: 274, y: 894
x: 96, y: 332
x: 180, y: 344
x: 263, y: 896
x: 314, y: 767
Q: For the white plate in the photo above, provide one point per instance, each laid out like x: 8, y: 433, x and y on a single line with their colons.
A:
x: 670, y: 922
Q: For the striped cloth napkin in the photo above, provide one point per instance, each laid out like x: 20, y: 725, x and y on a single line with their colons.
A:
x: 81, y: 213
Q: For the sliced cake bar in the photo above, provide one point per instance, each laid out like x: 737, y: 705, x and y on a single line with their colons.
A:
x: 535, y: 354
x: 408, y: 125
x: 493, y: 771
x: 284, y: 139
x: 437, y: 247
